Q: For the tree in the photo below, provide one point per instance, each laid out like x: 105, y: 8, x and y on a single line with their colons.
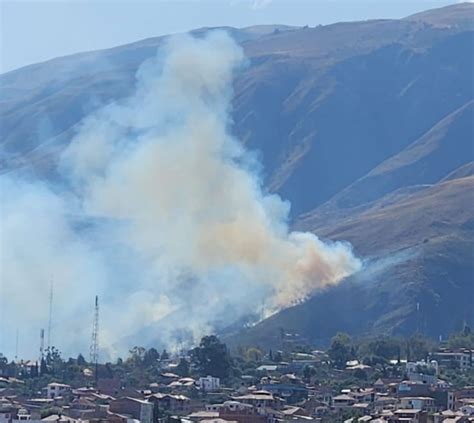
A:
x: 136, y: 357
x: 182, y: 369
x: 3, y: 365
x: 253, y: 354
x: 308, y: 372
x: 81, y: 361
x: 360, y: 374
x: 420, y: 347
x: 464, y: 339
x: 278, y: 357
x: 340, y: 350
x: 151, y: 357
x: 54, y: 360
x: 43, y: 367
x: 165, y: 355
x: 212, y: 358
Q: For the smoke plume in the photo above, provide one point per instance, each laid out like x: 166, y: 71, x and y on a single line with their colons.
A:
x: 164, y: 216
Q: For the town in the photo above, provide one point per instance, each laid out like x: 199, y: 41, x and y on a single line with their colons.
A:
x: 377, y: 379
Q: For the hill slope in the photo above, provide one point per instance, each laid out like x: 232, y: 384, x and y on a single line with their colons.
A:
x: 419, y: 249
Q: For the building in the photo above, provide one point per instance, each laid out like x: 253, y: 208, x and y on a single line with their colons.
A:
x: 209, y: 383
x: 292, y: 393
x: 419, y: 403
x: 408, y: 388
x: 409, y: 416
x: 54, y: 390
x: 343, y: 401
x: 261, y: 400
x: 461, y: 359
x: 175, y: 404
x: 133, y: 407
x: 236, y: 411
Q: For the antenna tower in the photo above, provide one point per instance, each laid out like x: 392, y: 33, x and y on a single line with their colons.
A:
x: 16, y: 345
x: 41, y: 345
x: 50, y: 317
x: 94, y: 348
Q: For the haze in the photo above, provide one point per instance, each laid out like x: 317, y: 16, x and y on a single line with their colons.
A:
x: 35, y: 31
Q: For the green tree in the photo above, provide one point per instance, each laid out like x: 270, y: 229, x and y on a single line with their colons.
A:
x: 464, y: 339
x: 136, y: 357
x: 278, y: 357
x: 54, y: 360
x: 253, y: 354
x: 43, y: 367
x: 308, y: 372
x: 340, y: 350
x: 81, y: 361
x: 3, y: 365
x: 420, y: 347
x: 182, y: 369
x: 212, y: 358
x: 151, y: 357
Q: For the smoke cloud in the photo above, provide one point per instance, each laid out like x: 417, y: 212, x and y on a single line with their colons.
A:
x: 164, y: 216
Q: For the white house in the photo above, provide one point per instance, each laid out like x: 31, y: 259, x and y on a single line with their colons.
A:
x: 209, y: 383
x: 55, y: 390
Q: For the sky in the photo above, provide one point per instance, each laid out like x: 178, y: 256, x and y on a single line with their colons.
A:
x: 33, y: 31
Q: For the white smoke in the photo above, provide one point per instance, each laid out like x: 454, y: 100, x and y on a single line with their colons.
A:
x: 167, y: 219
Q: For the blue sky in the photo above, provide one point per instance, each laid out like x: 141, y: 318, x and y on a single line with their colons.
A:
x: 34, y: 31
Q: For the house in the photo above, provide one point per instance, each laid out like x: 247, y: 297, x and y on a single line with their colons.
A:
x: 420, y: 403
x: 237, y: 411
x: 199, y: 416
x: 261, y: 400
x: 450, y: 416
x: 209, y: 383
x: 292, y: 393
x: 422, y: 371
x: 409, y: 416
x: 409, y: 388
x: 54, y: 390
x: 267, y: 368
x: 175, y: 404
x: 133, y: 407
x: 343, y: 401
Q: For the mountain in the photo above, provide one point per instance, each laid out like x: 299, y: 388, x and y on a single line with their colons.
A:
x: 366, y: 127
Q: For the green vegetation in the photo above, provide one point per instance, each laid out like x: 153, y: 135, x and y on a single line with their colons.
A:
x: 384, y: 355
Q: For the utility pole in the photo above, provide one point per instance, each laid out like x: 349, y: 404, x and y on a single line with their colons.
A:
x: 94, y: 348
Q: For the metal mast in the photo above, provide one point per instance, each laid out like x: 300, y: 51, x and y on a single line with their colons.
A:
x: 41, y: 346
x: 94, y: 348
x: 50, y: 318
x: 16, y: 345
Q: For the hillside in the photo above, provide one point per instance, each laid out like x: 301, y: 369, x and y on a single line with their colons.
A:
x: 366, y: 127
x: 419, y: 249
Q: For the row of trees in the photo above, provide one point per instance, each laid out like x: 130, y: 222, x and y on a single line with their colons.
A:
x: 212, y: 357
x: 381, y: 349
